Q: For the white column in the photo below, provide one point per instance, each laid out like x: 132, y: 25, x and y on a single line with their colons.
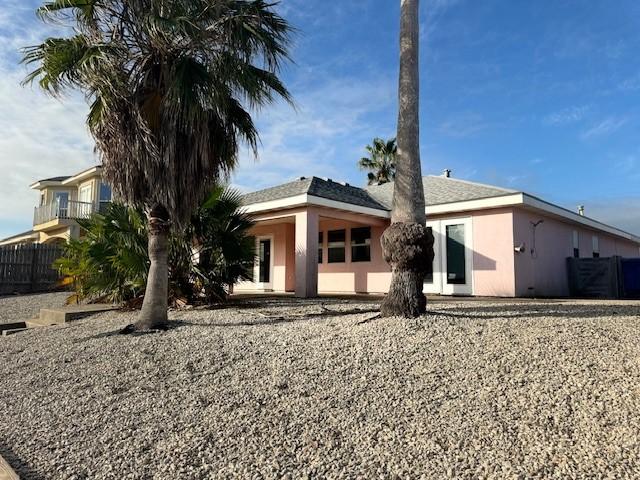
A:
x: 306, y: 254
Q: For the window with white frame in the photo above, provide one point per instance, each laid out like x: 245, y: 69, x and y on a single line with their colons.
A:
x: 576, y: 244
x: 596, y: 246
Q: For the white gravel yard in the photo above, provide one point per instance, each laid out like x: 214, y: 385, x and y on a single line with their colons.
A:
x: 473, y: 390
x: 18, y: 308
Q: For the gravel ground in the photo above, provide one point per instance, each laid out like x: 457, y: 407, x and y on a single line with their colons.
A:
x: 18, y: 308
x: 290, y: 390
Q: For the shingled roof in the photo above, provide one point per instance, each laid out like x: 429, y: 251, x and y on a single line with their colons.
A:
x: 316, y: 187
x: 438, y: 190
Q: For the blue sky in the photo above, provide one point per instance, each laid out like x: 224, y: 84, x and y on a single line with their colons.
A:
x: 538, y: 96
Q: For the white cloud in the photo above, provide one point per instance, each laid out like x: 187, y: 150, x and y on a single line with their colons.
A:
x: 42, y: 136
x: 325, y: 136
x: 566, y: 116
x: 605, y: 127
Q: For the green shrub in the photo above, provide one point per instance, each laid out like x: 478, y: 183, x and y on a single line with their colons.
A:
x: 111, y: 262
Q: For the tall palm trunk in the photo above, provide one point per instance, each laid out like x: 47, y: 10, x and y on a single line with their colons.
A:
x: 406, y: 244
x: 154, y: 307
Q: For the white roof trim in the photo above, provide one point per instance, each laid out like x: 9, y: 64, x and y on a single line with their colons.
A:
x: 508, y: 200
x: 478, y: 204
x: 305, y: 199
x: 325, y: 202
x: 82, y: 175
x: 534, y: 202
x: 39, y: 185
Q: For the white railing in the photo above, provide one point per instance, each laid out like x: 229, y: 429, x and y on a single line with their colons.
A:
x: 69, y: 210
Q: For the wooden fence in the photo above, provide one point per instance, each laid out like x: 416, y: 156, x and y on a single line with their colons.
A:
x: 611, y: 277
x: 28, y: 268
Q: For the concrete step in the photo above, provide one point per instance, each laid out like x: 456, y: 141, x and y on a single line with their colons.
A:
x: 59, y: 316
x: 6, y: 472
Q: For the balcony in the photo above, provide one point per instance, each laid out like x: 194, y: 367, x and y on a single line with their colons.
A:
x: 69, y: 210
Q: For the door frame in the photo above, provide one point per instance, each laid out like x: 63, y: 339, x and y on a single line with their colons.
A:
x: 436, y: 285
x: 458, y: 289
x: 256, y: 268
x: 440, y: 285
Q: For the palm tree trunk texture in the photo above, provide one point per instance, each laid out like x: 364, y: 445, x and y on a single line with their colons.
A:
x: 154, y: 307
x: 406, y: 244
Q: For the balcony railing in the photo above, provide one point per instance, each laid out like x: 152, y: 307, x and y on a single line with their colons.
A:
x: 69, y: 210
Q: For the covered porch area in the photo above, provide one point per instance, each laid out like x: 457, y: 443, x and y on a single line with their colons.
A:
x: 314, y: 250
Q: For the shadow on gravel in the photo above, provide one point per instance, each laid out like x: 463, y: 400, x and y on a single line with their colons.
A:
x: 265, y: 320
x: 243, y: 302
x: 14, y: 461
x: 533, y: 310
x: 120, y: 333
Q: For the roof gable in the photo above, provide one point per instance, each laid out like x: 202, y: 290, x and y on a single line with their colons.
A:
x: 316, y: 187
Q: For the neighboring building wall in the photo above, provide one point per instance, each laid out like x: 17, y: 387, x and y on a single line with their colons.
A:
x: 493, y: 253
x: 348, y: 277
x: 544, y: 272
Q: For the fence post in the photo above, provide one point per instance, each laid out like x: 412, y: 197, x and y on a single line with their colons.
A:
x: 34, y: 266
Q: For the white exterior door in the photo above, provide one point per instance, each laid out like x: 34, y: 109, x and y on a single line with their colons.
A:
x: 453, y: 259
x: 263, y: 270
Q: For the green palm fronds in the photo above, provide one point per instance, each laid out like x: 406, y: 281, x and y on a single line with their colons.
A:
x: 380, y: 162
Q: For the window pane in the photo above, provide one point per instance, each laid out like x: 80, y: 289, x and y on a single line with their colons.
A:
x: 336, y: 246
x: 264, y: 270
x: 320, y: 247
x: 456, y: 262
x: 361, y: 244
x: 335, y: 255
x: 105, y: 192
x: 336, y: 236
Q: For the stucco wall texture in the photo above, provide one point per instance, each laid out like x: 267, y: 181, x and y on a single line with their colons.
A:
x: 498, y: 269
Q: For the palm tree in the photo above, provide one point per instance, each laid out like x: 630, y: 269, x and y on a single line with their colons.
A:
x: 381, y: 161
x: 169, y: 82
x: 407, y: 245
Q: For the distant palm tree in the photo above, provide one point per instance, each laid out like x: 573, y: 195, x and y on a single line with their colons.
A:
x: 381, y: 161
x: 407, y: 245
x: 169, y: 83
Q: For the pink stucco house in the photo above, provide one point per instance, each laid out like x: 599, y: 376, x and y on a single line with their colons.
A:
x: 316, y: 235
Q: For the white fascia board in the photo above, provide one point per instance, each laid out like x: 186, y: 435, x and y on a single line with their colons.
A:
x: 480, y: 204
x: 325, y: 202
x: 81, y: 176
x: 41, y: 185
x: 311, y: 200
x: 281, y: 203
x: 538, y: 204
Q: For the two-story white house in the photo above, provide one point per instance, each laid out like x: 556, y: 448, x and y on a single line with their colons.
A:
x: 63, y: 200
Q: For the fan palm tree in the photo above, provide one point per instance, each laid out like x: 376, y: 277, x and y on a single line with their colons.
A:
x: 406, y: 244
x: 381, y: 161
x: 169, y: 83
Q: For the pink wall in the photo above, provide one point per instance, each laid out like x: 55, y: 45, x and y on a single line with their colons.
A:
x: 372, y: 277
x: 283, y: 275
x: 544, y: 273
x: 497, y: 269
x: 493, y: 262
